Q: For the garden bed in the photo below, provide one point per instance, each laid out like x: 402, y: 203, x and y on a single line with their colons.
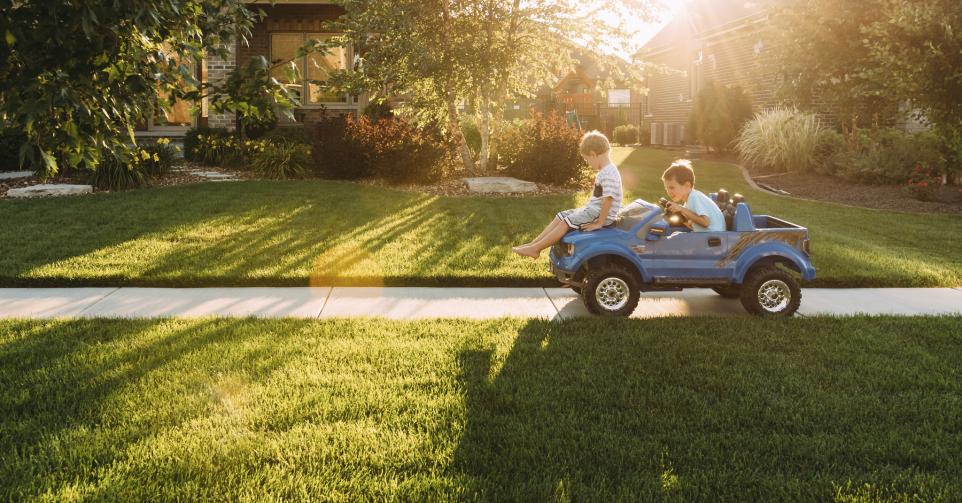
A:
x: 883, y: 197
x: 179, y: 175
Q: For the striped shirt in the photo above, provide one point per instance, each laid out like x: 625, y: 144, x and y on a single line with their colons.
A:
x: 607, y: 184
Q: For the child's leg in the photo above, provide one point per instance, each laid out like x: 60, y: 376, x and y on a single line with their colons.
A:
x: 551, y: 227
x: 551, y: 237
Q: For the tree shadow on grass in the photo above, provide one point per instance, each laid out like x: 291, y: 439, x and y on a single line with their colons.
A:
x: 65, y: 420
x: 638, y: 411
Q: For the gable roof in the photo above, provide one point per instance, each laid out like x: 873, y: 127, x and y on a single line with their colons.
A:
x: 703, y: 18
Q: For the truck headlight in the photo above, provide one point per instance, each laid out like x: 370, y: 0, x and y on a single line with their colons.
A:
x: 569, y: 249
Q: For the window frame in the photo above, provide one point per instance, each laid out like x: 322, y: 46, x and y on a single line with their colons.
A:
x: 349, y: 102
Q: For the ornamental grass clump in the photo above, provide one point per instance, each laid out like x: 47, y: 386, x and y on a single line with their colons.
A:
x: 780, y: 140
x: 281, y: 160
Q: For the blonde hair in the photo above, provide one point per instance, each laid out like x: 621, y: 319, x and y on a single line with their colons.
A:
x: 594, y: 143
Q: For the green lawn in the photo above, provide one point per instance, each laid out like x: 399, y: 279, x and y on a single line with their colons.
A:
x: 336, y: 233
x: 702, y: 409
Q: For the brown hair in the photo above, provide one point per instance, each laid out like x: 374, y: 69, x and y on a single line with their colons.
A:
x: 681, y: 172
x: 594, y: 143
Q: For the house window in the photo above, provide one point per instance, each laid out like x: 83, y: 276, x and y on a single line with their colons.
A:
x: 619, y: 97
x: 314, y: 66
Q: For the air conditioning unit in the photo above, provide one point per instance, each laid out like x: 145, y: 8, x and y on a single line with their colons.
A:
x: 657, y: 135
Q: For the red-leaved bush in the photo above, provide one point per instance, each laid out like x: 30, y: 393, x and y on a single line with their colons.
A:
x: 543, y: 149
x: 390, y: 148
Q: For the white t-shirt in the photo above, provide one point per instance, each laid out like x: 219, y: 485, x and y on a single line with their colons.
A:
x: 607, y: 184
x: 702, y: 205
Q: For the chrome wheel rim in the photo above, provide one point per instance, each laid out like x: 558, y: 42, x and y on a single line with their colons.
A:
x: 774, y: 295
x: 612, y: 293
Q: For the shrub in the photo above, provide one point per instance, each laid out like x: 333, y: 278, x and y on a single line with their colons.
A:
x: 883, y: 156
x: 121, y: 172
x: 780, y: 140
x: 830, y: 153
x: 191, y: 142
x: 890, y: 155
x: 378, y: 110
x: 291, y: 134
x: 281, y: 160
x: 162, y: 157
x: 399, y: 152
x: 337, y: 153
x: 923, y: 184
x: 644, y: 135
x: 227, y: 151
x: 545, y: 151
x: 626, y: 134
x: 10, y: 142
x: 717, y: 115
x: 392, y: 149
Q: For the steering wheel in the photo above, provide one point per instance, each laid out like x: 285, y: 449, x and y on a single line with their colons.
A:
x: 673, y: 219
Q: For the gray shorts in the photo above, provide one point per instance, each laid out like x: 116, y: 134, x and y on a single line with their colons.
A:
x: 577, y: 217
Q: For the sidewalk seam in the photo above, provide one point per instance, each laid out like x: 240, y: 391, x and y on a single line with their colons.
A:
x: 324, y: 306
x: 98, y: 301
x: 555, y: 306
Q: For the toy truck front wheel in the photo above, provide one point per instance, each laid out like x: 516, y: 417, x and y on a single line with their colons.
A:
x: 771, y: 293
x: 611, y: 290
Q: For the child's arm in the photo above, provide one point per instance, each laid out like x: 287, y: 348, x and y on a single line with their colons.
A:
x: 600, y: 222
x: 701, y: 220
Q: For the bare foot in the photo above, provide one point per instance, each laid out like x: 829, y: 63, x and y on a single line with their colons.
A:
x: 526, y: 251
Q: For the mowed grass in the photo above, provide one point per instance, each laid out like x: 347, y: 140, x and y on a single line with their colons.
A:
x: 701, y: 409
x: 300, y: 233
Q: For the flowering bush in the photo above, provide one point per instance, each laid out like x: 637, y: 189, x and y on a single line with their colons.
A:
x: 923, y: 184
x: 227, y: 151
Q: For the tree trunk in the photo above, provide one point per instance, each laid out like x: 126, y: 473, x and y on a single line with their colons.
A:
x: 485, y: 128
x: 454, y: 124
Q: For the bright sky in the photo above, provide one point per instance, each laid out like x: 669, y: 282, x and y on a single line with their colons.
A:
x: 643, y: 31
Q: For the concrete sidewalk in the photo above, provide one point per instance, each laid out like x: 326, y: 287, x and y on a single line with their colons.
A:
x: 414, y: 303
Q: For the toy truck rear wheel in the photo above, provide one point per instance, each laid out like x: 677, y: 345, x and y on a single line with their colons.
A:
x: 611, y: 290
x: 771, y: 293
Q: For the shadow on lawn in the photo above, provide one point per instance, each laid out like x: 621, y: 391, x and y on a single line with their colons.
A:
x: 275, y: 234
x: 558, y: 421
x: 60, y: 419
x: 636, y: 411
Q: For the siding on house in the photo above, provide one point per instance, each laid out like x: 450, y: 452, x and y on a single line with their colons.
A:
x: 680, y: 69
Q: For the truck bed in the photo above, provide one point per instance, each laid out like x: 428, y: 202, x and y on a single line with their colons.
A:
x: 770, y: 222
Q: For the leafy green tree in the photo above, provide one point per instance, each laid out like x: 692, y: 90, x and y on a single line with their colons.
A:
x: 450, y: 57
x: 77, y: 76
x: 918, y: 47
x: 718, y: 113
x: 819, y: 51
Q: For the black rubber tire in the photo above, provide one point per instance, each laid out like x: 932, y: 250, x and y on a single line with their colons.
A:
x: 729, y: 292
x: 754, y: 281
x: 595, y: 277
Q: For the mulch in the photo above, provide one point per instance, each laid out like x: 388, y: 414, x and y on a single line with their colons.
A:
x: 180, y: 175
x: 457, y: 188
x: 176, y: 176
x: 883, y: 197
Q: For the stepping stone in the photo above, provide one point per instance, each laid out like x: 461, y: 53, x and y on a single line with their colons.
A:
x: 50, y: 189
x: 213, y: 175
x: 15, y: 174
x: 499, y: 185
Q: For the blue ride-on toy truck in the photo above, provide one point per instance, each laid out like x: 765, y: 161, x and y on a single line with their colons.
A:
x: 758, y: 259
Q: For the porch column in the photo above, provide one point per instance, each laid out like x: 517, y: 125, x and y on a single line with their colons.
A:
x: 218, y: 69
